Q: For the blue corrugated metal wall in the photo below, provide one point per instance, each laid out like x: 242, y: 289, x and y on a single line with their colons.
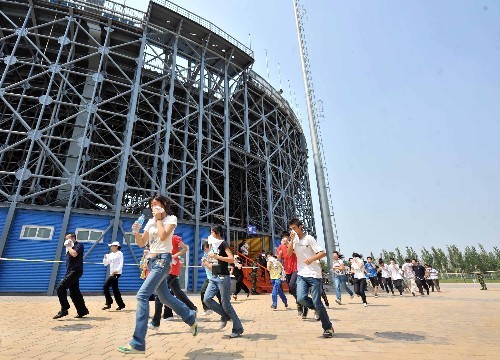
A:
x: 204, y: 233
x: 93, y: 275
x: 35, y: 276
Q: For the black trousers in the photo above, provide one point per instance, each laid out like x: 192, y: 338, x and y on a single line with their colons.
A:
x: 360, y: 288
x: 291, y: 279
x: 112, y: 281
x: 325, y: 298
x: 421, y: 283
x: 387, y: 283
x: 202, y: 293
x: 175, y: 286
x: 240, y: 285
x: 72, y: 282
x: 398, y: 284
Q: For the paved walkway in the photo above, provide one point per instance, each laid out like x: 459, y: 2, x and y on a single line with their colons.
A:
x: 461, y: 322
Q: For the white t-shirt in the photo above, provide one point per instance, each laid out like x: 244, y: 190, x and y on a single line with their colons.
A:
x: 385, y: 270
x: 156, y: 246
x: 358, y: 267
x: 408, y: 270
x: 336, y: 267
x: 433, y: 274
x: 305, y: 248
x: 395, y: 272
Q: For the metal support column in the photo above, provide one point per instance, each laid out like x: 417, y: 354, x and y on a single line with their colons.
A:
x: 131, y: 118
x: 199, y: 165
x: 227, y: 153
x: 15, y: 198
x: 171, y: 100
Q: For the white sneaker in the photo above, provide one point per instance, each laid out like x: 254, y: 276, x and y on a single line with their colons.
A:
x: 152, y: 327
x: 365, y: 304
x: 169, y: 319
x: 206, y: 312
x: 316, y: 315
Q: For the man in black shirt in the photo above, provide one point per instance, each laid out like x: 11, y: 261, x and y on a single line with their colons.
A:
x: 237, y: 271
x: 74, y: 271
x: 419, y: 271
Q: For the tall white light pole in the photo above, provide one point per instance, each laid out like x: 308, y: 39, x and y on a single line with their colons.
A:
x: 312, y: 114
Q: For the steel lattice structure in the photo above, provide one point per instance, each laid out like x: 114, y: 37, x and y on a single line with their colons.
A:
x: 102, y: 106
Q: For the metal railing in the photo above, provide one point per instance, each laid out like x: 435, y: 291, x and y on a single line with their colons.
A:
x: 274, y: 94
x: 106, y: 8
x: 205, y: 23
x: 133, y: 16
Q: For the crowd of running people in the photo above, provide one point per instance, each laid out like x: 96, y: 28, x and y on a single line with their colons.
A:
x: 296, y: 261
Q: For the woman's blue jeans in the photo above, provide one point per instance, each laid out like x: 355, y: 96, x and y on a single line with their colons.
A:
x: 226, y: 310
x: 159, y: 267
x: 339, y: 281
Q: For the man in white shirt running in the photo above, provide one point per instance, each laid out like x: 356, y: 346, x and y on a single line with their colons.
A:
x: 309, y: 276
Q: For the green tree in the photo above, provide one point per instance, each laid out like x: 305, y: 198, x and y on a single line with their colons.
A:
x: 427, y: 257
x: 455, y: 258
x: 471, y: 258
x: 386, y: 255
x: 440, y: 260
x: 399, y: 257
x: 487, y: 259
x: 410, y: 253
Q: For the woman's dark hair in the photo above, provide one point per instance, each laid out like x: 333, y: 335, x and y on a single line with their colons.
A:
x: 380, y: 261
x: 339, y: 254
x: 392, y: 259
x: 285, y: 233
x: 357, y: 255
x: 217, y: 229
x: 163, y: 200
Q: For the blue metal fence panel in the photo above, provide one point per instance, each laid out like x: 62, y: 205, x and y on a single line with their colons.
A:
x: 35, y: 275
x: 94, y: 275
x: 204, y: 234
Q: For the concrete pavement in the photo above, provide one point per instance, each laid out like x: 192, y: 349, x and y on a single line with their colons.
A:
x: 461, y: 322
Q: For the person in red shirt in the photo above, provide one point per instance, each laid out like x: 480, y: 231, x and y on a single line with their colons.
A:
x: 290, y: 265
x: 173, y: 284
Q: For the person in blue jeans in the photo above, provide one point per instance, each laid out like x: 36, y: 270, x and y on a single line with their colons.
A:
x: 158, y: 232
x: 338, y: 268
x: 309, y: 277
x: 220, y: 256
x: 275, y: 272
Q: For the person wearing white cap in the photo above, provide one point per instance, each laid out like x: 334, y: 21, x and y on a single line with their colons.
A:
x: 115, y: 261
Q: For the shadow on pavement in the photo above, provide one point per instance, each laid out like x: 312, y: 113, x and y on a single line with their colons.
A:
x: 256, y: 336
x: 209, y: 353
x: 352, y: 337
x: 73, y: 327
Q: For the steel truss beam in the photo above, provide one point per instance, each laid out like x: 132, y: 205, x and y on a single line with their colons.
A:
x: 99, y: 114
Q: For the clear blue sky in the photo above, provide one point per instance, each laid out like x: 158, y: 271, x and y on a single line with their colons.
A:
x: 411, y: 91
